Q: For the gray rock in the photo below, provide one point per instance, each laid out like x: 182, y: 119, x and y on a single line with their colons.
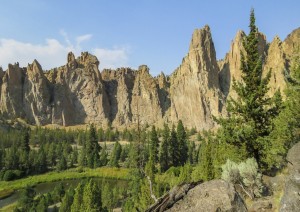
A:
x: 291, y: 198
x: 215, y: 195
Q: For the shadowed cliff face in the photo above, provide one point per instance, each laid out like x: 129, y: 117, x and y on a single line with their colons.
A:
x: 77, y: 93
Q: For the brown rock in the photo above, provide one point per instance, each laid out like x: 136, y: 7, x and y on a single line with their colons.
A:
x: 194, y: 86
x: 78, y: 94
x: 36, y: 95
x: 276, y: 63
x: 292, y: 43
x: 12, y: 91
x: 230, y: 68
x: 119, y: 85
x: 145, y: 99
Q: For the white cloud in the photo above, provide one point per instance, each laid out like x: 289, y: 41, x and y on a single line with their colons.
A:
x: 112, y: 58
x: 53, y: 53
x: 50, y: 55
x: 82, y: 38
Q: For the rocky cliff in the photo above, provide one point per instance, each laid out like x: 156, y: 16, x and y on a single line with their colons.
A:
x: 276, y: 57
x: 194, y: 87
x: 77, y: 93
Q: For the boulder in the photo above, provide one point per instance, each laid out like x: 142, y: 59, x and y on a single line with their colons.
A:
x: 290, y: 200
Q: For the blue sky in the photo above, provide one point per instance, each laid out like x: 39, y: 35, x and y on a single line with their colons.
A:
x: 130, y: 32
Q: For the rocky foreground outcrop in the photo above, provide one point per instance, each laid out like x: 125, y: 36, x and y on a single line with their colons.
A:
x: 215, y: 195
x: 291, y: 198
x: 77, y: 93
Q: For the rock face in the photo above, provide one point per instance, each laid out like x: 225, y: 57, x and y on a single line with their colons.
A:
x: 12, y: 91
x: 36, y: 95
x: 132, y: 95
x: 276, y: 58
x: 291, y: 198
x: 215, y: 195
x: 276, y: 64
x: 230, y: 67
x: 72, y: 94
x: 77, y: 93
x: 194, y: 86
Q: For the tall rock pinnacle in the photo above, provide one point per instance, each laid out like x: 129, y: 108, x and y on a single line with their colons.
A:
x: 194, y: 87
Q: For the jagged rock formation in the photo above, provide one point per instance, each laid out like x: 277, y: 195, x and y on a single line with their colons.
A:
x: 12, y: 91
x: 230, y: 67
x: 36, y: 95
x: 132, y: 95
x: 215, y: 195
x: 194, y: 89
x: 276, y: 58
x: 77, y: 93
x: 72, y: 94
x: 276, y: 63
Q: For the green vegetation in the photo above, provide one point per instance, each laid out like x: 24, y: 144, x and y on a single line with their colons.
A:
x: 253, y: 139
x: 78, y: 173
x: 244, y: 174
x: 251, y: 114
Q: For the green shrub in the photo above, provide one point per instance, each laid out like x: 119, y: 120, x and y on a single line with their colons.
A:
x: 8, y: 175
x: 244, y: 174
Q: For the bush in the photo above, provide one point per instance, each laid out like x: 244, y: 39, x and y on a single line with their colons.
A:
x: 251, y: 177
x: 8, y: 175
x: 230, y: 172
x: 244, y: 174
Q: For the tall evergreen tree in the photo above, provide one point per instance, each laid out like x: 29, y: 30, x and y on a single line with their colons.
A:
x: 174, y: 148
x: 287, y: 125
x: 103, y: 156
x: 192, y: 153
x: 92, y: 148
x: 164, y: 157
x: 182, y: 143
x: 25, y: 140
x: 115, y: 155
x: 77, y: 201
x: 67, y: 201
x: 154, y: 144
x: 91, y: 198
x: 250, y: 115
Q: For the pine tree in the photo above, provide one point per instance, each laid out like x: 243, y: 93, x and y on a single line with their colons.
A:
x: 174, y: 148
x: 92, y: 148
x: 164, y: 159
x: 164, y: 156
x: 25, y: 140
x: 250, y: 115
x: 133, y: 157
x: 76, y: 205
x: 192, y: 152
x: 67, y: 201
x: 182, y: 143
x: 27, y: 198
x: 154, y: 144
x: 91, y: 199
x: 62, y: 164
x: 115, y: 155
x: 150, y: 169
x: 286, y: 126
x: 103, y: 156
